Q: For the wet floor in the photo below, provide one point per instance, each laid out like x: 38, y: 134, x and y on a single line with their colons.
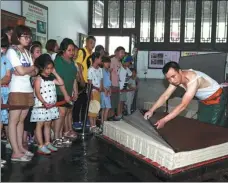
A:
x: 81, y: 162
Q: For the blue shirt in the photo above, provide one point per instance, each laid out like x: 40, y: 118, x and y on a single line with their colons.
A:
x: 106, y: 79
x: 5, y: 65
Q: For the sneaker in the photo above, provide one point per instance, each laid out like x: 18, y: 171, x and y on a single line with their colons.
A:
x: 52, y: 148
x: 43, y: 150
x: 77, y: 125
x: 2, y: 166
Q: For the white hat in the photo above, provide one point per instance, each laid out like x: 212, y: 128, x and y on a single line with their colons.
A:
x: 94, y: 106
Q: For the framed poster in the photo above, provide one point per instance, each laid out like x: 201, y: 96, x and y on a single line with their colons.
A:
x: 36, y: 19
x: 82, y: 40
x: 157, y: 59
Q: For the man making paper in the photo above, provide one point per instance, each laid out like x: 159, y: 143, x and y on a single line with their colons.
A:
x: 197, y: 84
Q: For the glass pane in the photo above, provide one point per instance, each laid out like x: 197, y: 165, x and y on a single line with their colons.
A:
x: 145, y: 21
x: 98, y: 14
x: 159, y: 27
x: 222, y: 18
x: 206, y: 22
x: 175, y: 21
x: 190, y: 21
x: 113, y: 14
x: 115, y: 41
x: 129, y: 14
x: 100, y: 40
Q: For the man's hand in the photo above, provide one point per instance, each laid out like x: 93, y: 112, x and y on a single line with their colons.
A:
x: 148, y: 115
x: 160, y: 123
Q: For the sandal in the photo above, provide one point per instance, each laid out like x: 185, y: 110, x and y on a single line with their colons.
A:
x: 29, y: 154
x: 22, y: 159
x: 69, y: 134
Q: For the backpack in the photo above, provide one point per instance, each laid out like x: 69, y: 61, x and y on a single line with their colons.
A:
x: 88, y: 61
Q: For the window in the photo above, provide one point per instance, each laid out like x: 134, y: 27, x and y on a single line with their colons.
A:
x: 100, y: 40
x: 129, y: 14
x: 115, y: 41
x: 159, y: 25
x: 221, y: 25
x: 98, y: 14
x: 190, y: 21
x: 175, y: 21
x: 113, y: 14
x: 206, y: 22
x: 145, y: 21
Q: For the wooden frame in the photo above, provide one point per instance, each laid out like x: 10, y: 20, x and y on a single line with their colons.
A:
x: 166, y: 45
x: 11, y: 19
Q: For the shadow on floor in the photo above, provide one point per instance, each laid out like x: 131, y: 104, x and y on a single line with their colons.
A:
x: 80, y: 162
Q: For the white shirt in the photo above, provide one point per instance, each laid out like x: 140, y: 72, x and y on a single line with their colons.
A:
x: 204, y: 93
x: 20, y: 83
x: 95, y: 75
x: 53, y: 56
x: 124, y: 75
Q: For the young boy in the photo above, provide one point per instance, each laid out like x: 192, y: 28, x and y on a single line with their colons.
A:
x: 114, y: 67
x: 95, y: 77
x: 124, y: 75
x: 132, y: 86
x: 106, y: 94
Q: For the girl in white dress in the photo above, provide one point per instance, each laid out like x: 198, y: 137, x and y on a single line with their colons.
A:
x: 44, y: 110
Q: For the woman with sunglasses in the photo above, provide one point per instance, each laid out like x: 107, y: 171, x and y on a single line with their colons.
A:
x: 21, y: 91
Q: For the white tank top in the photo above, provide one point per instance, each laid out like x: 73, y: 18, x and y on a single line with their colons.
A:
x: 205, y: 93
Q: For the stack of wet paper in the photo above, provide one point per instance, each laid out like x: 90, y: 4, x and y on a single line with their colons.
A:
x: 180, y: 143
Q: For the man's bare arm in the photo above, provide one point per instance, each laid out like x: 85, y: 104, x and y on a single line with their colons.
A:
x: 164, y: 97
x: 188, y: 96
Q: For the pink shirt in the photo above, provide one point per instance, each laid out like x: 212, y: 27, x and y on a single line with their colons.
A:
x: 115, y: 66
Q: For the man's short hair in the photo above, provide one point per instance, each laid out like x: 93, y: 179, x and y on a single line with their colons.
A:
x: 119, y: 49
x: 169, y: 65
x: 90, y: 38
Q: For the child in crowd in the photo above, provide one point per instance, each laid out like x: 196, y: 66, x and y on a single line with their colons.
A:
x: 106, y: 94
x: 114, y: 67
x: 132, y: 86
x: 52, y: 48
x: 45, y: 96
x: 124, y: 75
x: 95, y: 77
x: 5, y: 79
x: 35, y: 51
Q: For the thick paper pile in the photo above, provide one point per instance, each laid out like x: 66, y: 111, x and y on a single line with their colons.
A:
x: 180, y: 143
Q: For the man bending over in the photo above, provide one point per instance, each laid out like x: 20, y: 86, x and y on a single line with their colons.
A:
x: 197, y: 84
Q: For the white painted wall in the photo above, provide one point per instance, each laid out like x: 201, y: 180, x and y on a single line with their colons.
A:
x: 142, y: 66
x: 12, y: 6
x: 66, y: 19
